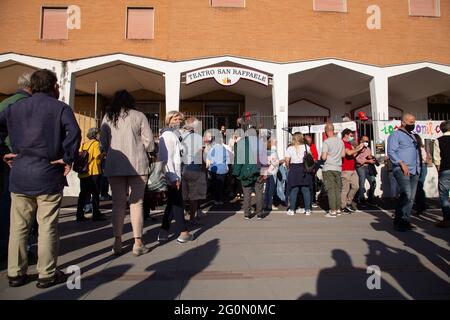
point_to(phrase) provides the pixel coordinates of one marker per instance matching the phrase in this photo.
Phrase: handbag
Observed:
(308, 161)
(81, 163)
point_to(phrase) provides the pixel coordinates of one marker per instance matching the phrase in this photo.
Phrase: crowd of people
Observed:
(41, 142)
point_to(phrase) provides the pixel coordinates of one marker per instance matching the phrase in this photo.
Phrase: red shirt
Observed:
(348, 162)
(314, 152)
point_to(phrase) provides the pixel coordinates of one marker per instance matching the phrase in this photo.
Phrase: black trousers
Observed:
(89, 186)
(174, 209)
(217, 184)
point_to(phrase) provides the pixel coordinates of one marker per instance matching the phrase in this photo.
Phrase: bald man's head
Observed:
(408, 122)
(329, 129)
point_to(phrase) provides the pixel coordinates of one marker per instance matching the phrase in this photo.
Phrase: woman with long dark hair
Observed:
(126, 138)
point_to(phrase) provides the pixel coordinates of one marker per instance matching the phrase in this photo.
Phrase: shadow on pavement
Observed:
(168, 285)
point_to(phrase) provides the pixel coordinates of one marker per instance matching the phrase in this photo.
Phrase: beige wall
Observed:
(283, 30)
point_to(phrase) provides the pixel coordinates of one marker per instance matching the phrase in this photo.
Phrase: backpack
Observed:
(308, 162)
(81, 163)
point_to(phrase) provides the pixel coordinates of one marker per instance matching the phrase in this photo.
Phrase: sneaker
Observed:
(185, 238)
(200, 213)
(87, 208)
(290, 212)
(163, 235)
(353, 207)
(218, 203)
(247, 217)
(330, 215)
(314, 205)
(338, 212)
(140, 250)
(301, 210)
(347, 210)
(307, 212)
(274, 208)
(259, 217)
(443, 224)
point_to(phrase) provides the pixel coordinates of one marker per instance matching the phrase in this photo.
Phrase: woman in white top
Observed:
(170, 154)
(298, 179)
(126, 138)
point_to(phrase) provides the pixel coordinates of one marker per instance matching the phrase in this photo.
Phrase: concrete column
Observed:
(67, 89)
(379, 96)
(280, 96)
(172, 80)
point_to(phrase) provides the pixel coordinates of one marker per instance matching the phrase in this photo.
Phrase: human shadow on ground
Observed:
(345, 281)
(416, 239)
(168, 278)
(88, 284)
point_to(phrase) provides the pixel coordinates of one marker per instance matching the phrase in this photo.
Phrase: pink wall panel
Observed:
(140, 23)
(330, 5)
(54, 23)
(423, 8)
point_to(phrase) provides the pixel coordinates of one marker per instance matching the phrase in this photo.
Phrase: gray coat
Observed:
(127, 144)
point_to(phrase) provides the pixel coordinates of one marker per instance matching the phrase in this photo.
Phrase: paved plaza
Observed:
(279, 257)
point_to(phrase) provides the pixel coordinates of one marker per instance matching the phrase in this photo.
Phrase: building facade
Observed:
(289, 61)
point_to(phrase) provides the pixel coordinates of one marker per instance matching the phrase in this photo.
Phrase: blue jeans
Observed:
(444, 188)
(363, 174)
(306, 192)
(421, 204)
(408, 187)
(271, 184)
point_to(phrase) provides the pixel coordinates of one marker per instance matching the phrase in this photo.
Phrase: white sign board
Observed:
(338, 127)
(227, 76)
(303, 129)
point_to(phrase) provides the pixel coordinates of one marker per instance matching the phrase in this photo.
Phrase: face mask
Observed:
(410, 127)
(350, 139)
(175, 126)
(366, 144)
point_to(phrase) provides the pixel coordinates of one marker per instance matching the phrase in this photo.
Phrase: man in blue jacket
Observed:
(45, 139)
(403, 150)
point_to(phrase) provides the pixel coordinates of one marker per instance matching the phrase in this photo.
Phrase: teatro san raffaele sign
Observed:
(227, 76)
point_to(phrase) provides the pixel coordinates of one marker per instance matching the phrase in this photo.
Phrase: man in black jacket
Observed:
(45, 139)
(442, 162)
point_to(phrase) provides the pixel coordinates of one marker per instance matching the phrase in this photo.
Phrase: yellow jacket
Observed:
(95, 158)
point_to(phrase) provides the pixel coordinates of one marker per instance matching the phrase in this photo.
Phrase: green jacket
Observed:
(19, 95)
(246, 169)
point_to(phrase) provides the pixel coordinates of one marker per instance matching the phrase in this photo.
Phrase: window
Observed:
(140, 23)
(330, 5)
(228, 3)
(426, 8)
(54, 24)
